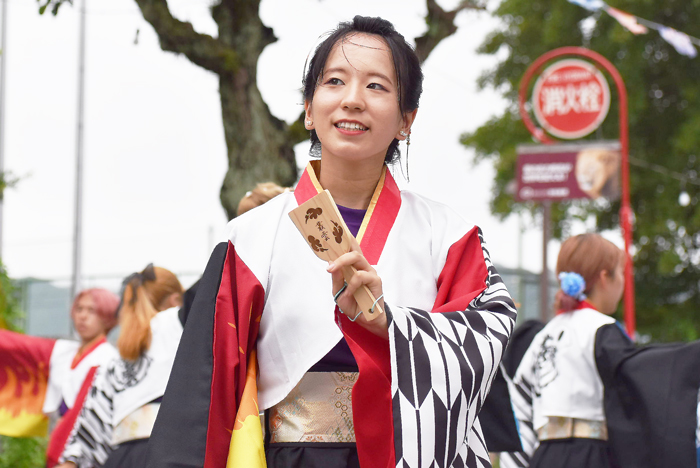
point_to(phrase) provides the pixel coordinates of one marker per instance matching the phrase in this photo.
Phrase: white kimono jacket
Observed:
(418, 395)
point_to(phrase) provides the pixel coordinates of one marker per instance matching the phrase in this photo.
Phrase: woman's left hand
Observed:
(366, 275)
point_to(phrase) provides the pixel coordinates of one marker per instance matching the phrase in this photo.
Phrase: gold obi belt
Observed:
(565, 428)
(319, 409)
(138, 425)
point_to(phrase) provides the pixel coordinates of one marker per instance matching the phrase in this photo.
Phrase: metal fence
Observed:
(524, 288)
(46, 302)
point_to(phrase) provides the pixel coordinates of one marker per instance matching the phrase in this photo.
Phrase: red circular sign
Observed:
(571, 99)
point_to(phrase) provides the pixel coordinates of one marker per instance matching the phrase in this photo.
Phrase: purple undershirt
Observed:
(340, 358)
(63, 408)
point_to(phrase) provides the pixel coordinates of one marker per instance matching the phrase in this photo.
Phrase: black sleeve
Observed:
(187, 301)
(650, 400)
(497, 417)
(519, 344)
(179, 436)
(498, 420)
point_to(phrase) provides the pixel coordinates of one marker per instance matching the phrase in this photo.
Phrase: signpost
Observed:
(571, 99)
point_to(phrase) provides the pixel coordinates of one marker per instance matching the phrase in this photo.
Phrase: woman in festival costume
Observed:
(585, 395)
(559, 366)
(116, 420)
(63, 368)
(338, 391)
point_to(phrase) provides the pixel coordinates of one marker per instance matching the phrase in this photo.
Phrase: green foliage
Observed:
(22, 453)
(7, 180)
(52, 5)
(664, 98)
(10, 314)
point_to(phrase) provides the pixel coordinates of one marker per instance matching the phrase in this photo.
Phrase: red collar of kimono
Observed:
(82, 355)
(381, 212)
(581, 305)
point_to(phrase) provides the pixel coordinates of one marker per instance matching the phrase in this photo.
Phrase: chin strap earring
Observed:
(407, 134)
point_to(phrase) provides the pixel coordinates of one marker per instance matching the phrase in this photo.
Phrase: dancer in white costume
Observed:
(403, 390)
(113, 428)
(63, 367)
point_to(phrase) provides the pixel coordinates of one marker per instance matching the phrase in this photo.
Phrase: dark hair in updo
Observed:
(409, 76)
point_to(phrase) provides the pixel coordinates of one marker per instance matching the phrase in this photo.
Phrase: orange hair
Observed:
(106, 305)
(587, 255)
(145, 294)
(261, 194)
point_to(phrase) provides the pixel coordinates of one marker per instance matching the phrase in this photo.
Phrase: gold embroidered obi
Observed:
(318, 409)
(565, 428)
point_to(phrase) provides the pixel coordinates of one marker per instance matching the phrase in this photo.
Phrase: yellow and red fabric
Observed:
(246, 447)
(24, 375)
(236, 325)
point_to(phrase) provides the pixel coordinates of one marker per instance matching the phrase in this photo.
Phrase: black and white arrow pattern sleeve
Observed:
(89, 444)
(442, 367)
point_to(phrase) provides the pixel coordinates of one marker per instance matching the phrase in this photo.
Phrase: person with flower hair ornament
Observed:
(585, 395)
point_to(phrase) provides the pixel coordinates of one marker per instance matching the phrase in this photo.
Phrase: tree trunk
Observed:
(259, 149)
(260, 146)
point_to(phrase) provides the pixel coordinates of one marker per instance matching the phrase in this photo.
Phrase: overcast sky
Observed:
(154, 147)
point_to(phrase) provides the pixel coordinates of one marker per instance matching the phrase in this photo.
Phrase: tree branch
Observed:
(441, 24)
(180, 37)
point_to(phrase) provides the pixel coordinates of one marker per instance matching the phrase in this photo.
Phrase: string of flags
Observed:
(683, 43)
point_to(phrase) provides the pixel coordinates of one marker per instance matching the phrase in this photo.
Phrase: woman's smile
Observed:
(351, 127)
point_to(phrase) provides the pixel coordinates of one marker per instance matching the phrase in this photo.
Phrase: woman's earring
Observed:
(408, 139)
(309, 123)
(403, 133)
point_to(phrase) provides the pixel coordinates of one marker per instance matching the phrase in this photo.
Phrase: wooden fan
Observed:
(323, 228)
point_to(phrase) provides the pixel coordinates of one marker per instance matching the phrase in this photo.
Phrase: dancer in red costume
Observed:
(49, 376)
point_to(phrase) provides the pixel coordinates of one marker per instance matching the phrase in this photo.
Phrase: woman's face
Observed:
(86, 320)
(355, 109)
(618, 283)
(615, 287)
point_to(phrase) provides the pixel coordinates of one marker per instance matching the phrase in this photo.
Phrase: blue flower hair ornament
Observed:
(572, 284)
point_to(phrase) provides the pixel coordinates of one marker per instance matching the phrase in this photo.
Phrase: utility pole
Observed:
(545, 313)
(78, 226)
(521, 271)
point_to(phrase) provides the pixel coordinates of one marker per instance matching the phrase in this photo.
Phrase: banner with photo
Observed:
(568, 171)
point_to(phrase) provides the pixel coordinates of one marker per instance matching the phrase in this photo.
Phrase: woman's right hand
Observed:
(365, 275)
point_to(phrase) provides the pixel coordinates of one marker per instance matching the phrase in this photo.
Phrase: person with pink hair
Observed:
(51, 377)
